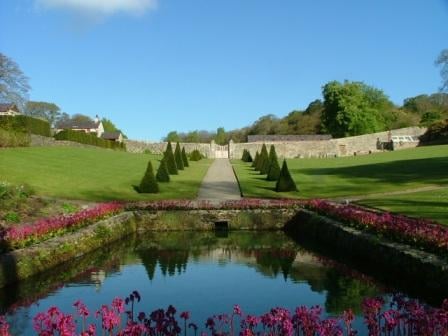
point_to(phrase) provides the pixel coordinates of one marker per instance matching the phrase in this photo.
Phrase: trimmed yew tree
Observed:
(178, 157)
(148, 183)
(264, 160)
(170, 161)
(274, 168)
(162, 173)
(285, 181)
(185, 158)
(256, 159)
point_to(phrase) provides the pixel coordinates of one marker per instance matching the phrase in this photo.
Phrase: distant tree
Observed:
(353, 108)
(109, 126)
(274, 168)
(178, 157)
(172, 137)
(162, 172)
(192, 137)
(43, 110)
(149, 183)
(185, 158)
(170, 160)
(220, 137)
(14, 85)
(81, 118)
(442, 61)
(285, 181)
(263, 161)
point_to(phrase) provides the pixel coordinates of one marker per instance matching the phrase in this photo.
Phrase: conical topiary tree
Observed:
(256, 159)
(264, 160)
(185, 158)
(246, 156)
(178, 157)
(285, 181)
(149, 183)
(162, 173)
(274, 168)
(170, 161)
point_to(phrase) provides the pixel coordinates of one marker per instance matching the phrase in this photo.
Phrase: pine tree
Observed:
(170, 161)
(178, 157)
(264, 160)
(185, 158)
(149, 183)
(274, 168)
(255, 161)
(285, 181)
(162, 173)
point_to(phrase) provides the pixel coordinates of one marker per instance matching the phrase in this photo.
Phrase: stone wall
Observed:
(357, 145)
(41, 141)
(134, 146)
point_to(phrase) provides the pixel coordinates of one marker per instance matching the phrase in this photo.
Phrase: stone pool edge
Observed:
(428, 268)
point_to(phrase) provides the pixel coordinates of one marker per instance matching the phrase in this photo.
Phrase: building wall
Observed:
(134, 146)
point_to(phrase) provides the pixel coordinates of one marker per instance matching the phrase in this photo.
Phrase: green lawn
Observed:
(357, 175)
(92, 174)
(428, 204)
(363, 175)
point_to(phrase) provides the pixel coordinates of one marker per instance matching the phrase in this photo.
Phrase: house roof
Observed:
(111, 135)
(303, 137)
(78, 125)
(8, 106)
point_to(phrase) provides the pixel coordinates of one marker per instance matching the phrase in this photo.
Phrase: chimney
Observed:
(97, 119)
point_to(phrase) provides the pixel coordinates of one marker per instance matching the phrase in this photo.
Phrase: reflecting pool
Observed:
(204, 273)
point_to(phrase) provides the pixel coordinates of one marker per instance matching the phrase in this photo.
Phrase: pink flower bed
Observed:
(401, 317)
(23, 235)
(418, 232)
(243, 204)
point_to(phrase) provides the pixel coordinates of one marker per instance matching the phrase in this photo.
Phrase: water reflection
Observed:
(201, 270)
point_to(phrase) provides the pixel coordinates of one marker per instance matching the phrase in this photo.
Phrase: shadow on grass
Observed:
(430, 170)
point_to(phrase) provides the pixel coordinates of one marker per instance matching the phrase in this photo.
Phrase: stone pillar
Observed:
(212, 149)
(231, 148)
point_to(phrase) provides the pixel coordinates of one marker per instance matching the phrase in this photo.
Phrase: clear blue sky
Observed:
(158, 65)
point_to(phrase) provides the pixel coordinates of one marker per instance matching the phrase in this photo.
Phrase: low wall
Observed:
(388, 260)
(134, 146)
(356, 145)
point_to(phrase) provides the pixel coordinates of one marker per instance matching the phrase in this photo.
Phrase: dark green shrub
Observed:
(185, 158)
(170, 160)
(11, 138)
(264, 160)
(285, 181)
(148, 183)
(436, 133)
(162, 173)
(195, 155)
(256, 159)
(274, 168)
(88, 139)
(23, 123)
(178, 157)
(246, 156)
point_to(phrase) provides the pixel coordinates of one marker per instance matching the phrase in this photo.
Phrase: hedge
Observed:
(10, 138)
(23, 123)
(88, 139)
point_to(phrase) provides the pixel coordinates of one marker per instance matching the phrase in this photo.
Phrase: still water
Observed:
(204, 273)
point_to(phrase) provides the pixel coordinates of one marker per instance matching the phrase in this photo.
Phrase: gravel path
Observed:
(220, 182)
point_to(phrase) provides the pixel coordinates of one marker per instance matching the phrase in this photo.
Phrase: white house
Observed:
(95, 126)
(9, 110)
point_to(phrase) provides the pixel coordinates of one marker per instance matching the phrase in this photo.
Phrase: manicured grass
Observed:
(350, 176)
(92, 174)
(428, 204)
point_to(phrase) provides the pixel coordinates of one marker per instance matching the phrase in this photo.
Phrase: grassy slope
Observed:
(92, 174)
(428, 204)
(363, 175)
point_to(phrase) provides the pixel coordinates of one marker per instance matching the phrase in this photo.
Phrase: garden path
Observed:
(220, 182)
